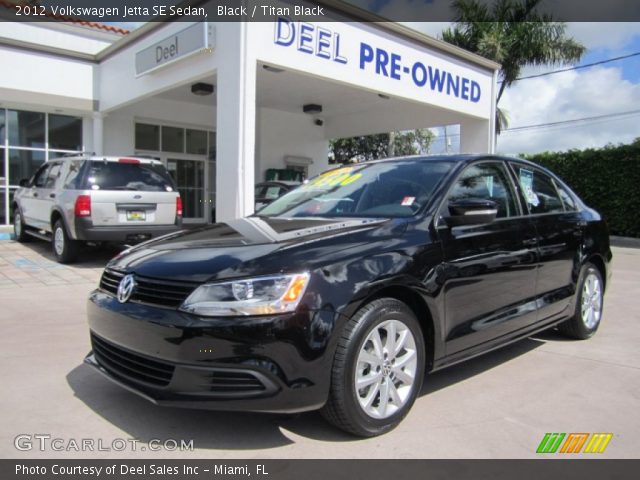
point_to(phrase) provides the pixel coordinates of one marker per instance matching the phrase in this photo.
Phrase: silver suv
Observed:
(96, 199)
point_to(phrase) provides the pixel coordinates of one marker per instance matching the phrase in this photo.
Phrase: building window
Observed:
(32, 138)
(212, 146)
(147, 137)
(26, 129)
(173, 139)
(23, 164)
(197, 142)
(2, 172)
(65, 132)
(3, 129)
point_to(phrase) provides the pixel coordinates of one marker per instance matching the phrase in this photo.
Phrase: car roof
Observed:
(450, 157)
(288, 183)
(113, 159)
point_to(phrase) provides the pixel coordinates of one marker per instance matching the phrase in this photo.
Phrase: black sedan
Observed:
(341, 294)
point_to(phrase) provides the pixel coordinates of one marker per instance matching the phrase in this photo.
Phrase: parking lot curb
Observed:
(627, 242)
(6, 233)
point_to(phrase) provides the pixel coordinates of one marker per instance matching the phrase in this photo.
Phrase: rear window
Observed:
(127, 176)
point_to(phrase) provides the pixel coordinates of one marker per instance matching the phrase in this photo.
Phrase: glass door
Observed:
(189, 177)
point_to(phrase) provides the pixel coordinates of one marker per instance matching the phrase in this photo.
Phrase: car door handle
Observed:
(530, 242)
(52, 195)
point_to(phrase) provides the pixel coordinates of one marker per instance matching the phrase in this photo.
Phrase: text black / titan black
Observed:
(342, 293)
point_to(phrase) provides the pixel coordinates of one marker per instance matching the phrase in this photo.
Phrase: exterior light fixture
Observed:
(271, 69)
(312, 108)
(202, 89)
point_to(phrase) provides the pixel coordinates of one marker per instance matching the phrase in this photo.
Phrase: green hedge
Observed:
(607, 179)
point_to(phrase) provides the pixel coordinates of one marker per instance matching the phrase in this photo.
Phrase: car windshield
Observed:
(128, 176)
(385, 189)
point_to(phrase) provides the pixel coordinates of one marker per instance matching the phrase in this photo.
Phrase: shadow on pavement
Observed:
(457, 373)
(88, 257)
(240, 430)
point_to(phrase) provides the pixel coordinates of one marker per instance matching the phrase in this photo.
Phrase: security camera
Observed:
(318, 122)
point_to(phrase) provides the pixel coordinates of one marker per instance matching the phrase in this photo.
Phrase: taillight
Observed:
(83, 206)
(178, 206)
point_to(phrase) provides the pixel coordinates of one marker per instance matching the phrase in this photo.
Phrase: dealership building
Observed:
(228, 104)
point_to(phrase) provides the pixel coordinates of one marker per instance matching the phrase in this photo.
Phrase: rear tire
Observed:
(64, 248)
(19, 227)
(589, 305)
(389, 372)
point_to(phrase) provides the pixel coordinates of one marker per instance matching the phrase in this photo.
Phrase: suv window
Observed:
(127, 176)
(40, 177)
(539, 191)
(486, 181)
(52, 175)
(74, 169)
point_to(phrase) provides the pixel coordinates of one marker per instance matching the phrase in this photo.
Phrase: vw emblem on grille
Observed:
(126, 287)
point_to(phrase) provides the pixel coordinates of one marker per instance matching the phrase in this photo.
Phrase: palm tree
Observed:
(513, 34)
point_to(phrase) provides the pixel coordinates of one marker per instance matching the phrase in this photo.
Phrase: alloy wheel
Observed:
(591, 301)
(386, 369)
(58, 241)
(17, 224)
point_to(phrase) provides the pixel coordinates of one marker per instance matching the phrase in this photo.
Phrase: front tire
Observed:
(378, 369)
(586, 319)
(64, 248)
(19, 227)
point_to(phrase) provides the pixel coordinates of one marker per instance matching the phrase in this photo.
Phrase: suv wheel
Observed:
(19, 227)
(64, 248)
(588, 312)
(378, 369)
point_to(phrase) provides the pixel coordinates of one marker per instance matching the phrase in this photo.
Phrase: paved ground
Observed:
(496, 406)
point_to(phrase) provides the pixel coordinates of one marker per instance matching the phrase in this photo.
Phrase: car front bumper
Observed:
(268, 364)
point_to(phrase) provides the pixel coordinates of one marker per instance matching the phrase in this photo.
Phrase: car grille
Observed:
(124, 364)
(153, 291)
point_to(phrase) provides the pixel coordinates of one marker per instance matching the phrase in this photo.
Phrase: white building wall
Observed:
(283, 134)
(119, 70)
(59, 36)
(51, 81)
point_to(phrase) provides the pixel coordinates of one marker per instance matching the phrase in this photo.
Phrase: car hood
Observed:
(251, 246)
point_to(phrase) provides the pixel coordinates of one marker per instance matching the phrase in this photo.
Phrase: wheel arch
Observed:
(597, 260)
(421, 310)
(56, 214)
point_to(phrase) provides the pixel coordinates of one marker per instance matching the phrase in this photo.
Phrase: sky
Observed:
(601, 90)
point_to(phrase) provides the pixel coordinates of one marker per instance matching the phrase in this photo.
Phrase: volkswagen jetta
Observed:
(342, 293)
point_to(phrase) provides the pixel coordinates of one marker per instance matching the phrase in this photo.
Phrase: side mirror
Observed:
(24, 182)
(471, 211)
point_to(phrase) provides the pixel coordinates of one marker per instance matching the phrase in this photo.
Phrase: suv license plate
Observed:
(133, 215)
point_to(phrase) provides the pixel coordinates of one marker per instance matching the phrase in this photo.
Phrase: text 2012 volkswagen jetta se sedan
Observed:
(343, 292)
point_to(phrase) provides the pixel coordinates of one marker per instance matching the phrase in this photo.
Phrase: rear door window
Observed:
(539, 191)
(128, 176)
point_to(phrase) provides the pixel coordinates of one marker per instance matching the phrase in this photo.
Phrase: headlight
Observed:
(253, 296)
